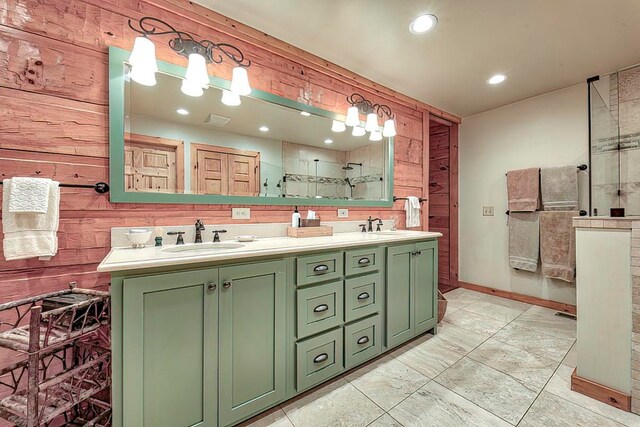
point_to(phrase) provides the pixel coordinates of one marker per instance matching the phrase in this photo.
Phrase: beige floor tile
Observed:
(475, 322)
(495, 311)
(337, 404)
(550, 410)
(434, 405)
(544, 320)
(387, 381)
(272, 418)
(571, 359)
(498, 393)
(385, 421)
(534, 341)
(530, 369)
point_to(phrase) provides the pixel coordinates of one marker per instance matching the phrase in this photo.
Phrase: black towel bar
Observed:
(99, 187)
(395, 199)
(582, 212)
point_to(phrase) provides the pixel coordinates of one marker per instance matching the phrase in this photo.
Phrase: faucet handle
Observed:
(379, 225)
(364, 227)
(180, 240)
(216, 236)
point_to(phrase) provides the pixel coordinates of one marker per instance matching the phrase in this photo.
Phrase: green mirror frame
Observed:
(117, 57)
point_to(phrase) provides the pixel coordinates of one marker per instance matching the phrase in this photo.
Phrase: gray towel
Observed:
(558, 245)
(559, 188)
(524, 240)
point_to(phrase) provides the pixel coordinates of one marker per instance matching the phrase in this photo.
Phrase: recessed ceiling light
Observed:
(263, 129)
(497, 79)
(182, 111)
(305, 113)
(328, 141)
(423, 23)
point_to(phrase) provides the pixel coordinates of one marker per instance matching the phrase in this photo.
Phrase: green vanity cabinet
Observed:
(411, 291)
(170, 351)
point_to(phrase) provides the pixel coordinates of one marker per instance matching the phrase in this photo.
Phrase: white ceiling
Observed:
(542, 45)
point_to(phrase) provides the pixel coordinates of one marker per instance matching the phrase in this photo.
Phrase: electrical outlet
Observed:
(487, 211)
(343, 213)
(240, 213)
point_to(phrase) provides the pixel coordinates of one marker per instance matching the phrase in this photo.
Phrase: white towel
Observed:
(412, 208)
(30, 235)
(29, 195)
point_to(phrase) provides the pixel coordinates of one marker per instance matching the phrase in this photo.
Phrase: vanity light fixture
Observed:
(230, 99)
(263, 129)
(423, 23)
(497, 79)
(358, 131)
(144, 65)
(305, 113)
(375, 135)
(338, 126)
(328, 141)
(182, 111)
(361, 105)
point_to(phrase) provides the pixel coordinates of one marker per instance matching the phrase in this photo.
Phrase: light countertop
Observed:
(121, 259)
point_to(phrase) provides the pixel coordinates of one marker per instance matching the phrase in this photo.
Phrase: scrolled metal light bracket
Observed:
(365, 106)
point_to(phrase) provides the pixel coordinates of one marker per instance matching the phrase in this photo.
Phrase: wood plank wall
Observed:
(54, 120)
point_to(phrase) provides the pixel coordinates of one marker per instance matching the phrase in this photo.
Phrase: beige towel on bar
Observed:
(523, 190)
(412, 209)
(558, 244)
(559, 185)
(524, 240)
(28, 234)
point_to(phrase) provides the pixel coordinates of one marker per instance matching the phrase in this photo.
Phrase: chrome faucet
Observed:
(370, 221)
(199, 228)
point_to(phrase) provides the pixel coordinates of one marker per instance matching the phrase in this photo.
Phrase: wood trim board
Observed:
(600, 392)
(454, 191)
(554, 305)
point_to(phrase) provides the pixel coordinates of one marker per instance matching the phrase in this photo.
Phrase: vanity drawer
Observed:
(363, 260)
(319, 268)
(319, 308)
(362, 341)
(318, 359)
(362, 296)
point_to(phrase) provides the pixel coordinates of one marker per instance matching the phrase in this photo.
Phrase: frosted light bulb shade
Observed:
(240, 82)
(389, 128)
(197, 70)
(229, 98)
(143, 77)
(144, 55)
(353, 116)
(372, 122)
(358, 131)
(375, 136)
(191, 89)
(338, 126)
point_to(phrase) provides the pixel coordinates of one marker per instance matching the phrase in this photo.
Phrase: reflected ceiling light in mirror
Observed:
(375, 135)
(191, 89)
(338, 126)
(361, 105)
(358, 131)
(353, 116)
(497, 79)
(423, 23)
(199, 53)
(305, 113)
(230, 99)
(182, 111)
(263, 129)
(328, 141)
(143, 62)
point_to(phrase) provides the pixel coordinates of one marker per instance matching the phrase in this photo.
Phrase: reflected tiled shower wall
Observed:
(615, 114)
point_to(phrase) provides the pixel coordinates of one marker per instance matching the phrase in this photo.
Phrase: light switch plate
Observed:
(240, 213)
(487, 211)
(343, 213)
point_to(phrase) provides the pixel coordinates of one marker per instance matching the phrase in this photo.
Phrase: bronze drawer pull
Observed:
(364, 261)
(212, 287)
(363, 296)
(226, 284)
(363, 340)
(321, 308)
(320, 358)
(321, 269)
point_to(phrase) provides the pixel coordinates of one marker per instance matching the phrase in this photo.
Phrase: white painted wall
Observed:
(548, 130)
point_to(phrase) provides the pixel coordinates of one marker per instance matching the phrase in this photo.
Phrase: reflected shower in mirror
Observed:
(200, 145)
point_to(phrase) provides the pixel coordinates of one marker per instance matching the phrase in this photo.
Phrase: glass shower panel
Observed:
(605, 155)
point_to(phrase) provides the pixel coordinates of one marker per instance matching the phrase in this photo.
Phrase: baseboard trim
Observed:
(599, 392)
(554, 305)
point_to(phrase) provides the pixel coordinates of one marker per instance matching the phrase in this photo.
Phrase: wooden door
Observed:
(224, 171)
(170, 350)
(153, 164)
(252, 339)
(400, 310)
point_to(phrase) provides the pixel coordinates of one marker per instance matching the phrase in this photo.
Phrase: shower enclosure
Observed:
(614, 131)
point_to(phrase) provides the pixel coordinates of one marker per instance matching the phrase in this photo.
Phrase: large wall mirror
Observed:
(167, 147)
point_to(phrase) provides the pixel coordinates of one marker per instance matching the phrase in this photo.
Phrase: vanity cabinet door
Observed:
(169, 354)
(425, 276)
(252, 339)
(399, 294)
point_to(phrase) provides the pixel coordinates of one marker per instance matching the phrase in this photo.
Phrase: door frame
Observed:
(157, 141)
(193, 165)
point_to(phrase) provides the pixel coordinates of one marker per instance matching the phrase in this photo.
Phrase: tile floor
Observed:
(495, 362)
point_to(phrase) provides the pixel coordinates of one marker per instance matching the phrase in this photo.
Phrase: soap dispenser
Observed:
(295, 218)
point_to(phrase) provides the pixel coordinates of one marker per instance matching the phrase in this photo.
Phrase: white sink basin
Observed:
(219, 246)
(388, 232)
